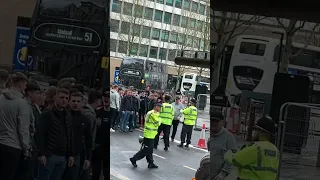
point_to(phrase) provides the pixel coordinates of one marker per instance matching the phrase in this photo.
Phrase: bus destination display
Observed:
(67, 35)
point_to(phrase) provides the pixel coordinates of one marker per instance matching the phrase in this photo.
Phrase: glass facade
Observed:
(138, 29)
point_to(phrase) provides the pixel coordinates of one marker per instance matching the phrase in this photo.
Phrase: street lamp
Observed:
(280, 49)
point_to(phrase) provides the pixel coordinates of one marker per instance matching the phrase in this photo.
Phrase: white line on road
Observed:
(190, 168)
(129, 152)
(177, 141)
(159, 156)
(117, 175)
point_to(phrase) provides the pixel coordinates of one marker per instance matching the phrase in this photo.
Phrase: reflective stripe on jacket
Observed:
(151, 125)
(258, 161)
(190, 115)
(166, 114)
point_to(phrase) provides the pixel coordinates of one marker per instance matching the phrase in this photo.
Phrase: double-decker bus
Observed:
(189, 81)
(140, 73)
(254, 64)
(69, 38)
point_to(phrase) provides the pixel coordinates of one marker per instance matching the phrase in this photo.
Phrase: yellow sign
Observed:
(105, 63)
(142, 81)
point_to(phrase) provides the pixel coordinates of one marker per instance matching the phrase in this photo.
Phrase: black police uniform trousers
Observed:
(166, 133)
(145, 151)
(186, 131)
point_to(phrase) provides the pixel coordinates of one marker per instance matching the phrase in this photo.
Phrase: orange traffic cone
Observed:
(202, 140)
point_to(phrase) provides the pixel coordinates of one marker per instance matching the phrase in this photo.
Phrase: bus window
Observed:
(252, 48)
(188, 76)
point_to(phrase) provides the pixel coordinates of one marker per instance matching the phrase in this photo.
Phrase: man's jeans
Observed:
(54, 168)
(72, 173)
(125, 120)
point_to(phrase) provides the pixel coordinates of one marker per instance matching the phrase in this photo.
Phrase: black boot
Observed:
(152, 166)
(155, 147)
(172, 139)
(180, 145)
(187, 146)
(133, 162)
(166, 148)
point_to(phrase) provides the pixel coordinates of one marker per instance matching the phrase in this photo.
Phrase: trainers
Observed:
(152, 166)
(155, 147)
(187, 146)
(172, 139)
(166, 148)
(133, 162)
(112, 130)
(180, 145)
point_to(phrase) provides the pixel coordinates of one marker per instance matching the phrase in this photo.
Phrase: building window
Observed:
(178, 3)
(153, 52)
(192, 23)
(123, 47)
(134, 49)
(127, 9)
(173, 37)
(182, 39)
(143, 51)
(148, 13)
(160, 1)
(194, 7)
(114, 25)
(199, 25)
(167, 18)
(186, 4)
(138, 10)
(196, 42)
(163, 54)
(116, 6)
(136, 30)
(113, 45)
(146, 32)
(158, 16)
(176, 20)
(169, 2)
(125, 27)
(155, 34)
(184, 21)
(164, 36)
(189, 41)
(172, 54)
(202, 9)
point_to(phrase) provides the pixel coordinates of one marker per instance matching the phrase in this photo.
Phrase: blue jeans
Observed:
(125, 120)
(54, 168)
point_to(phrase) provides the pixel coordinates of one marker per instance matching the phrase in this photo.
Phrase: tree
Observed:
(227, 26)
(291, 28)
(132, 23)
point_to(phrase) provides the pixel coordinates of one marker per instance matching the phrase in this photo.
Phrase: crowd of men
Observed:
(57, 133)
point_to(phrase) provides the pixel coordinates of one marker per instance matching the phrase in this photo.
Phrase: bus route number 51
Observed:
(88, 37)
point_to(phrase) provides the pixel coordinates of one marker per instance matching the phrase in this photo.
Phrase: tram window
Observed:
(252, 48)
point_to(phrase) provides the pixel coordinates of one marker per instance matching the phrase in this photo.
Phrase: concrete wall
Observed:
(9, 11)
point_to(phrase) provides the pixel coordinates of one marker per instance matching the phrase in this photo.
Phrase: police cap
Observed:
(266, 124)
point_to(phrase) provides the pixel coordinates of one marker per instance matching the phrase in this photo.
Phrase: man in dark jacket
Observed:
(55, 138)
(127, 107)
(143, 108)
(28, 169)
(82, 137)
(4, 76)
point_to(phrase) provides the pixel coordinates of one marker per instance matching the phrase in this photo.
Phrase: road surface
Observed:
(177, 163)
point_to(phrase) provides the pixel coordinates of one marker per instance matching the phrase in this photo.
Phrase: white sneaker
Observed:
(112, 130)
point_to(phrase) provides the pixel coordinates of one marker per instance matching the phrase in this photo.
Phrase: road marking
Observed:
(129, 152)
(190, 168)
(117, 175)
(178, 142)
(159, 156)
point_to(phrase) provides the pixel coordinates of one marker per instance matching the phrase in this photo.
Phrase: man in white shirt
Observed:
(177, 105)
(114, 106)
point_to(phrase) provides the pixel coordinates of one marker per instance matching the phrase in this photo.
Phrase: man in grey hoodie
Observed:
(220, 141)
(15, 115)
(4, 76)
(114, 106)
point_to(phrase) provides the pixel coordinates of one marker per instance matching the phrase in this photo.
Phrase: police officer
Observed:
(190, 116)
(165, 117)
(259, 160)
(151, 125)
